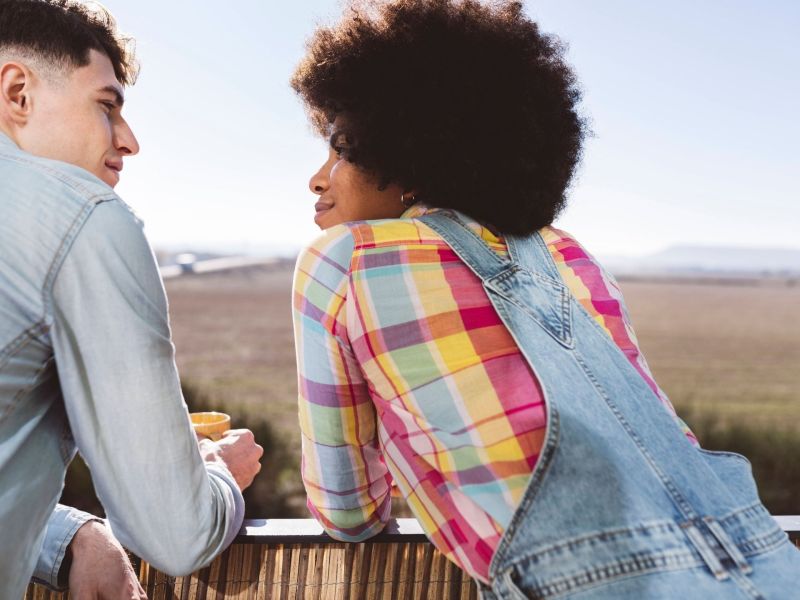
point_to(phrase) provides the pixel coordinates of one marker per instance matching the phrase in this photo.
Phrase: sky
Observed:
(693, 108)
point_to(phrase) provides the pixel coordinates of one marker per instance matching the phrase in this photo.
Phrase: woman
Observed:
(452, 342)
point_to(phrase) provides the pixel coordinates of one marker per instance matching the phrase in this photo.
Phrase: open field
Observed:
(233, 335)
(727, 353)
(728, 349)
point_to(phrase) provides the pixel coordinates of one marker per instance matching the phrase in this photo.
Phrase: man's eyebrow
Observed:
(118, 97)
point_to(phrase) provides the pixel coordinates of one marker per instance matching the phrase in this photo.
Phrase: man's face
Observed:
(77, 118)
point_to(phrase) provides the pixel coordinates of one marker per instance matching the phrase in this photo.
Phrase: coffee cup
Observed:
(210, 424)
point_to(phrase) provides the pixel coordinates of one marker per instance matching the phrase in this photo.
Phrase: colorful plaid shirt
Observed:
(408, 376)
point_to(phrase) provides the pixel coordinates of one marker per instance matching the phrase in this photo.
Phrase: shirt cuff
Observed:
(61, 528)
(235, 516)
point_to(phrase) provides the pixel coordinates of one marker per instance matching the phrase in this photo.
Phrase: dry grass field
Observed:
(727, 349)
(233, 335)
(731, 351)
(727, 354)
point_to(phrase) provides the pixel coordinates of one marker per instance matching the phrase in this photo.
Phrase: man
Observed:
(85, 349)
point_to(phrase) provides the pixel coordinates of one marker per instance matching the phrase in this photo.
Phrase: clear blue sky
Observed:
(694, 106)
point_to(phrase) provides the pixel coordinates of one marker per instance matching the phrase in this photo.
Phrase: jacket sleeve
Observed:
(61, 528)
(115, 360)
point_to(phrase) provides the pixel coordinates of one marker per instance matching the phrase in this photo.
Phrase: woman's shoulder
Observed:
(324, 263)
(335, 247)
(566, 247)
(356, 236)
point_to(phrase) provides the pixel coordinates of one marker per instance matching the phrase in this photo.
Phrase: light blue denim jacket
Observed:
(86, 358)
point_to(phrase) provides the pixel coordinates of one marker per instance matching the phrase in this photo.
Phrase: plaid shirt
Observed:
(407, 375)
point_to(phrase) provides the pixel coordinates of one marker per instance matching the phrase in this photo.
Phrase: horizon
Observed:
(692, 109)
(677, 260)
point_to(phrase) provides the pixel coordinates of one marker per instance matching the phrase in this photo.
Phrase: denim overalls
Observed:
(621, 505)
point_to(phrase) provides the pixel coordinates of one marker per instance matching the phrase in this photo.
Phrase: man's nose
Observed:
(126, 142)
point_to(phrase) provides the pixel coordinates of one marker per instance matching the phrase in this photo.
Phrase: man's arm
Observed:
(116, 367)
(81, 553)
(99, 567)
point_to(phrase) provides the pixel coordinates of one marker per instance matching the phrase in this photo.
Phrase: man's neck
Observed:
(6, 138)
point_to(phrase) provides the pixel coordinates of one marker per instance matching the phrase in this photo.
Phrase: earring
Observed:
(407, 202)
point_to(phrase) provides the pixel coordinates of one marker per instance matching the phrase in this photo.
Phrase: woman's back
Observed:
(408, 329)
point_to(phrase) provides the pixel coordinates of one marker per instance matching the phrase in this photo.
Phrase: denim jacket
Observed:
(86, 359)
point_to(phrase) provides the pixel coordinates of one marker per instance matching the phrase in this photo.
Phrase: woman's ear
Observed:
(408, 198)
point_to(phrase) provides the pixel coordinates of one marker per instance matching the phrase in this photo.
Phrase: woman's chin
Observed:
(325, 220)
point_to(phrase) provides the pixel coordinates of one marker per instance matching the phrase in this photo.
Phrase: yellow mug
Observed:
(210, 424)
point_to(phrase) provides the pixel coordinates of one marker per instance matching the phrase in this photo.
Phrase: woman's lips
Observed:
(321, 208)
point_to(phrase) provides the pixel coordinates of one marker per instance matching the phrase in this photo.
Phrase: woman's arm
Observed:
(345, 477)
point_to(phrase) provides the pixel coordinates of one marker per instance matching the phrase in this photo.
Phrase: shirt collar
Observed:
(417, 210)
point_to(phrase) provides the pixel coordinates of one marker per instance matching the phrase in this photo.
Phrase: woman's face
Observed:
(347, 193)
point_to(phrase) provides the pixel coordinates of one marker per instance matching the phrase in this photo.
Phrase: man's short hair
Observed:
(61, 34)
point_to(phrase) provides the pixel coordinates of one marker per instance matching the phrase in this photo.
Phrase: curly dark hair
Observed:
(468, 104)
(63, 32)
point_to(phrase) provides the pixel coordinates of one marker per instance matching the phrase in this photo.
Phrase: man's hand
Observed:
(100, 568)
(238, 451)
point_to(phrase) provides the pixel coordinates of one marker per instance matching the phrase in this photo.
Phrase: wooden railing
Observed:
(292, 559)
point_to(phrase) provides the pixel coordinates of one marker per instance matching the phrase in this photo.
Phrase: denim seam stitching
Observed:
(60, 255)
(620, 569)
(22, 340)
(453, 217)
(751, 510)
(22, 392)
(763, 544)
(564, 336)
(674, 493)
(531, 492)
(433, 223)
(604, 536)
(752, 546)
(745, 585)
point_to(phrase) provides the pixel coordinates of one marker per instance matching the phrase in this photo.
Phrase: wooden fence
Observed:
(292, 559)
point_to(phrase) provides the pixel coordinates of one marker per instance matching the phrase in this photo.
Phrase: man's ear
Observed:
(15, 85)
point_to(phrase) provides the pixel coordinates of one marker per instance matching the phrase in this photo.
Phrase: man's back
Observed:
(85, 350)
(86, 357)
(43, 206)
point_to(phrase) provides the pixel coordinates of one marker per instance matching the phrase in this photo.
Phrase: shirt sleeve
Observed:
(61, 528)
(115, 360)
(345, 477)
(640, 362)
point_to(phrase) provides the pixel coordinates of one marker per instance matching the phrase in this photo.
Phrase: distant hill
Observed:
(710, 260)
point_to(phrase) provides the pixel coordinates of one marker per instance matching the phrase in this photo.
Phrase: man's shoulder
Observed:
(34, 177)
(49, 200)
(46, 206)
